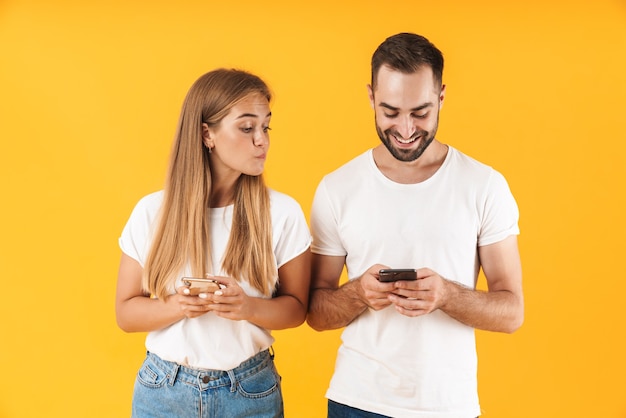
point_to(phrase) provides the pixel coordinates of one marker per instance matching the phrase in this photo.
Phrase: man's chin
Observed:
(410, 154)
(404, 155)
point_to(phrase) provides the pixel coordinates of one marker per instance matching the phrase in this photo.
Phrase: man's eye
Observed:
(391, 116)
(420, 116)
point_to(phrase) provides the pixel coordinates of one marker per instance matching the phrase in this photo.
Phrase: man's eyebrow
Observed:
(252, 115)
(415, 109)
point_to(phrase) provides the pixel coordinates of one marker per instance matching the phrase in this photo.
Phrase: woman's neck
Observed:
(222, 194)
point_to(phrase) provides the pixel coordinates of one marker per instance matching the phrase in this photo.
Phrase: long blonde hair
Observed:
(182, 235)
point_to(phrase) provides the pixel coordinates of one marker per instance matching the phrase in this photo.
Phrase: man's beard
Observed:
(407, 155)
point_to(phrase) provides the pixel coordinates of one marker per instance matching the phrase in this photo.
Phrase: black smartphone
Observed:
(199, 285)
(392, 275)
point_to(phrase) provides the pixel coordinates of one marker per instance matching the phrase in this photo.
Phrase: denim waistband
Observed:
(207, 378)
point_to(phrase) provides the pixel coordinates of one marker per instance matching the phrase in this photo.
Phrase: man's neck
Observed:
(411, 172)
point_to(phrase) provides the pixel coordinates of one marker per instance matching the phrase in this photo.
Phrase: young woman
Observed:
(209, 353)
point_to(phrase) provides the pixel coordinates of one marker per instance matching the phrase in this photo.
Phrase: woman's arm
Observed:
(134, 309)
(287, 309)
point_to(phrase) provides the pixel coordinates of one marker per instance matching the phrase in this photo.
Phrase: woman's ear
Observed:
(206, 136)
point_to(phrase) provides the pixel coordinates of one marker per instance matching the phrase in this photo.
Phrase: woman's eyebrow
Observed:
(252, 115)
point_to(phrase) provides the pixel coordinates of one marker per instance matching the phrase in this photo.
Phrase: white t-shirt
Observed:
(208, 341)
(389, 363)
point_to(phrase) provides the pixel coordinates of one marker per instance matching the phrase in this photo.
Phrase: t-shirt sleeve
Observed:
(500, 214)
(324, 225)
(291, 230)
(135, 238)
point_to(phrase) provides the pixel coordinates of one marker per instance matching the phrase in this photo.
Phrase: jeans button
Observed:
(206, 379)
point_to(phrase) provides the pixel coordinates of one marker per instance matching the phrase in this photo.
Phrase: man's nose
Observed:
(406, 127)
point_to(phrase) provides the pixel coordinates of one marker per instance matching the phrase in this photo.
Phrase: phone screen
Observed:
(392, 275)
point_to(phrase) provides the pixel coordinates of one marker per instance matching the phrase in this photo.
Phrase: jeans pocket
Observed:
(261, 384)
(151, 375)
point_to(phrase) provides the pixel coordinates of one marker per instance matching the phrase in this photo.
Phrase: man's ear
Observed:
(206, 136)
(370, 94)
(442, 95)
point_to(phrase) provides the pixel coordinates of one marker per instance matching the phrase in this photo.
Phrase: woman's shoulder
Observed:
(152, 199)
(282, 199)
(149, 204)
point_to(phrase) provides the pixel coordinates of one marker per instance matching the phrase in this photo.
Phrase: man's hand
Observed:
(421, 296)
(373, 293)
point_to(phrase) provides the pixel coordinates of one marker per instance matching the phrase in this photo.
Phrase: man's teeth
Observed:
(405, 141)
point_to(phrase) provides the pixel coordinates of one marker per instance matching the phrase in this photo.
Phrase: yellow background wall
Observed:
(89, 97)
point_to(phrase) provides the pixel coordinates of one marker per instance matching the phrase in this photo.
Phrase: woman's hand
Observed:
(191, 306)
(231, 301)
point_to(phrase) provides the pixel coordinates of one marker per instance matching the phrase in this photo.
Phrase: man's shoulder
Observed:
(462, 158)
(474, 174)
(470, 165)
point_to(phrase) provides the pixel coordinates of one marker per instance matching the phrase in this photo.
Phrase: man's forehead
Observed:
(388, 78)
(405, 92)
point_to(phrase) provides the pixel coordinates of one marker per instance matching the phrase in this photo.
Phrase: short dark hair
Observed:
(407, 53)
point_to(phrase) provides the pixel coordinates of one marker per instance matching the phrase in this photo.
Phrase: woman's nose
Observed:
(260, 138)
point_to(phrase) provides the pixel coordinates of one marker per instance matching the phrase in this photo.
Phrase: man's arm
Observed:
(332, 306)
(500, 308)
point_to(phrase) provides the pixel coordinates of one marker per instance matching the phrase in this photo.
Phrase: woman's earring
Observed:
(210, 149)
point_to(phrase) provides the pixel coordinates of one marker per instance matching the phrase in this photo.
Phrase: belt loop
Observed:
(233, 380)
(173, 374)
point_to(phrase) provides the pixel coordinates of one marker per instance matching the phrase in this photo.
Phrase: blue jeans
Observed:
(338, 410)
(166, 389)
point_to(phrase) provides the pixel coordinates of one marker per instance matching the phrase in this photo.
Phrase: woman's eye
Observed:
(246, 130)
(266, 129)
